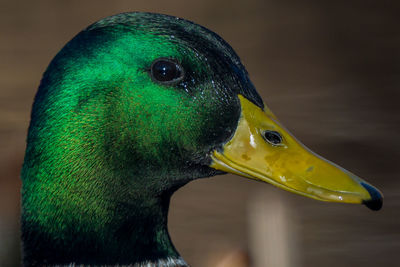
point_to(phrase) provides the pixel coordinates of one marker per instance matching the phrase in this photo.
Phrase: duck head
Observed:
(134, 107)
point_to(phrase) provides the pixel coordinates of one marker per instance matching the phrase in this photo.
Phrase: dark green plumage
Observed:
(107, 145)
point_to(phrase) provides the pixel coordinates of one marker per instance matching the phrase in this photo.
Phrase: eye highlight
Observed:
(166, 71)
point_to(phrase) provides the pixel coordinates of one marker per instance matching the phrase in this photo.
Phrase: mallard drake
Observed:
(131, 109)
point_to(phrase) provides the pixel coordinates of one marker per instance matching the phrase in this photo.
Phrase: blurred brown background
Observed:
(330, 70)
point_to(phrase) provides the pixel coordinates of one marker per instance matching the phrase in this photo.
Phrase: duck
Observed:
(134, 107)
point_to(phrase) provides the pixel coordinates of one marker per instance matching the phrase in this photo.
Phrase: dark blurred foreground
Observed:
(331, 73)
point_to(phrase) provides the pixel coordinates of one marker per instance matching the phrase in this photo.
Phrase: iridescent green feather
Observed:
(107, 145)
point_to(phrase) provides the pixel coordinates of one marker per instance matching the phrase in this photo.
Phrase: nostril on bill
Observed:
(272, 137)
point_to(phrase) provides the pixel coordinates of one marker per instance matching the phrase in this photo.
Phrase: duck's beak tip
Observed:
(376, 201)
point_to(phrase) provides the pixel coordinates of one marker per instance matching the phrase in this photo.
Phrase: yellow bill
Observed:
(262, 149)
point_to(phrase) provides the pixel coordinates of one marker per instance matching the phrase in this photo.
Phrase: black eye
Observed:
(272, 137)
(166, 71)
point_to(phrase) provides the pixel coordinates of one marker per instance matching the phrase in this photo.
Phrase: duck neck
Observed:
(133, 232)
